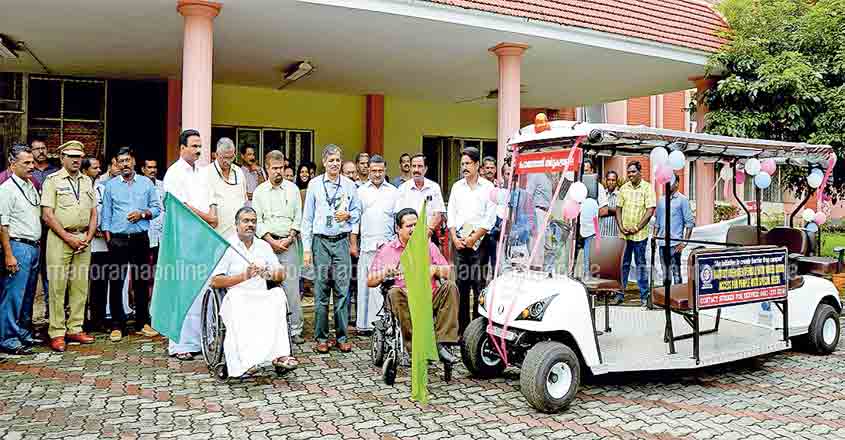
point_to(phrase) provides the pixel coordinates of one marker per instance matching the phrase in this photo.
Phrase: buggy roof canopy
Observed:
(626, 140)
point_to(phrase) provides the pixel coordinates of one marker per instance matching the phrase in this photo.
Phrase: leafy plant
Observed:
(782, 77)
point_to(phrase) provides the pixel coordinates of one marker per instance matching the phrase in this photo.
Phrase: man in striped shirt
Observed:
(607, 223)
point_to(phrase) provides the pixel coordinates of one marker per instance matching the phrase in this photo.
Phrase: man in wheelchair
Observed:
(255, 316)
(444, 298)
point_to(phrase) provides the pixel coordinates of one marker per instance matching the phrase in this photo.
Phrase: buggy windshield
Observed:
(534, 233)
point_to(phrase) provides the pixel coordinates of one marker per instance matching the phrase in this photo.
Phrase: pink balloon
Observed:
(570, 209)
(768, 166)
(821, 218)
(740, 177)
(663, 174)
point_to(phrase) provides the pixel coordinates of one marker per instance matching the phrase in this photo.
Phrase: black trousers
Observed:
(97, 291)
(470, 279)
(129, 254)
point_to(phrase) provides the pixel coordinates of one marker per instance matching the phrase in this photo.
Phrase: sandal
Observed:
(184, 356)
(288, 362)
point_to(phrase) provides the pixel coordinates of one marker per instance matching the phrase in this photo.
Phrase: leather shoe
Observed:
(445, 355)
(81, 337)
(345, 347)
(32, 341)
(58, 343)
(321, 348)
(20, 350)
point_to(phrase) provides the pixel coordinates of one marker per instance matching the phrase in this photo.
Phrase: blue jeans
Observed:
(588, 241)
(18, 296)
(637, 248)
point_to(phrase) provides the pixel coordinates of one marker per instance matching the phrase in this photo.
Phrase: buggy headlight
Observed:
(535, 311)
(482, 296)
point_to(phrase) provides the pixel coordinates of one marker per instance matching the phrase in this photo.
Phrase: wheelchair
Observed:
(386, 347)
(213, 333)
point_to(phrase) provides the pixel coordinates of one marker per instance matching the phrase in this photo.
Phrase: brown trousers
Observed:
(445, 306)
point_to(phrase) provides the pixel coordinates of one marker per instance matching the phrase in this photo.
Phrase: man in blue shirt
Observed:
(332, 210)
(130, 201)
(681, 222)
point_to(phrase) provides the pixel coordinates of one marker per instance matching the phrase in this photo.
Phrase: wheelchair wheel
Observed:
(388, 369)
(377, 344)
(213, 331)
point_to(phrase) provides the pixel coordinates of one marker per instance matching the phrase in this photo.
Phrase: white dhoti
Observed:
(256, 327)
(369, 299)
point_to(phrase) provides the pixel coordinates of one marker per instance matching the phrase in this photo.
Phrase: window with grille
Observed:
(64, 109)
(296, 144)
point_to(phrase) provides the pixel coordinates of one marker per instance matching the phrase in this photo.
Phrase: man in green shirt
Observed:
(278, 207)
(634, 208)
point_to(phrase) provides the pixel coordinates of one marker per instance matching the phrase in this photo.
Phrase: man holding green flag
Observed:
(422, 265)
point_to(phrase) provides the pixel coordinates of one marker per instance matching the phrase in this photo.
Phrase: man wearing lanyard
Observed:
(129, 203)
(227, 186)
(278, 208)
(21, 231)
(69, 210)
(332, 210)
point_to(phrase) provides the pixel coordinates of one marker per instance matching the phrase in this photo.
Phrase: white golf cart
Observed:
(539, 315)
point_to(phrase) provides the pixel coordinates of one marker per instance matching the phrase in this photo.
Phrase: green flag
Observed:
(188, 251)
(416, 269)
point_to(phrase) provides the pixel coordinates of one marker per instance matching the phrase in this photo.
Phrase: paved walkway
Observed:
(133, 390)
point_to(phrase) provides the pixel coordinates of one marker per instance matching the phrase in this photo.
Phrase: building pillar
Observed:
(705, 173)
(197, 67)
(510, 66)
(174, 120)
(375, 125)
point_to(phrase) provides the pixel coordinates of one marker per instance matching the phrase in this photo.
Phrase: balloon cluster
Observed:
(762, 171)
(665, 163)
(813, 219)
(814, 179)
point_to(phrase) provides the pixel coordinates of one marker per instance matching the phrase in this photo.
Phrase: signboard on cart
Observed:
(547, 162)
(729, 278)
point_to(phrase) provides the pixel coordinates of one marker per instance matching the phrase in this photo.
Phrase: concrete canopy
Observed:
(412, 49)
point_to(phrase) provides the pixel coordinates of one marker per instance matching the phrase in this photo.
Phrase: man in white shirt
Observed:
(255, 317)
(377, 201)
(227, 186)
(470, 216)
(185, 179)
(413, 192)
(587, 227)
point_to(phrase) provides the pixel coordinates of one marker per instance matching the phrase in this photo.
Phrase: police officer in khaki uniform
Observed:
(69, 210)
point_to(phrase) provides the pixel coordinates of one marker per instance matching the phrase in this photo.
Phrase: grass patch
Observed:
(831, 240)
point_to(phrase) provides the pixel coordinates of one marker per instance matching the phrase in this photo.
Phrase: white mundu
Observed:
(187, 184)
(255, 318)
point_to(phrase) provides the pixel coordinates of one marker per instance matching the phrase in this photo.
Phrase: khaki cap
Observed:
(72, 148)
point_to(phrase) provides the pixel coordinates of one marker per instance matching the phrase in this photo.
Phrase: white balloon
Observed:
(659, 156)
(577, 192)
(815, 180)
(589, 209)
(762, 180)
(677, 160)
(818, 171)
(569, 175)
(752, 167)
(808, 215)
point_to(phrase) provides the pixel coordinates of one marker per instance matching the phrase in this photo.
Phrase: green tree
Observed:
(782, 77)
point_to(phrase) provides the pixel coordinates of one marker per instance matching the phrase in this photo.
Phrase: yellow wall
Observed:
(406, 121)
(335, 119)
(340, 119)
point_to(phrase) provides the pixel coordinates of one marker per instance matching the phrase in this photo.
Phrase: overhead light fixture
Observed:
(7, 48)
(296, 71)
